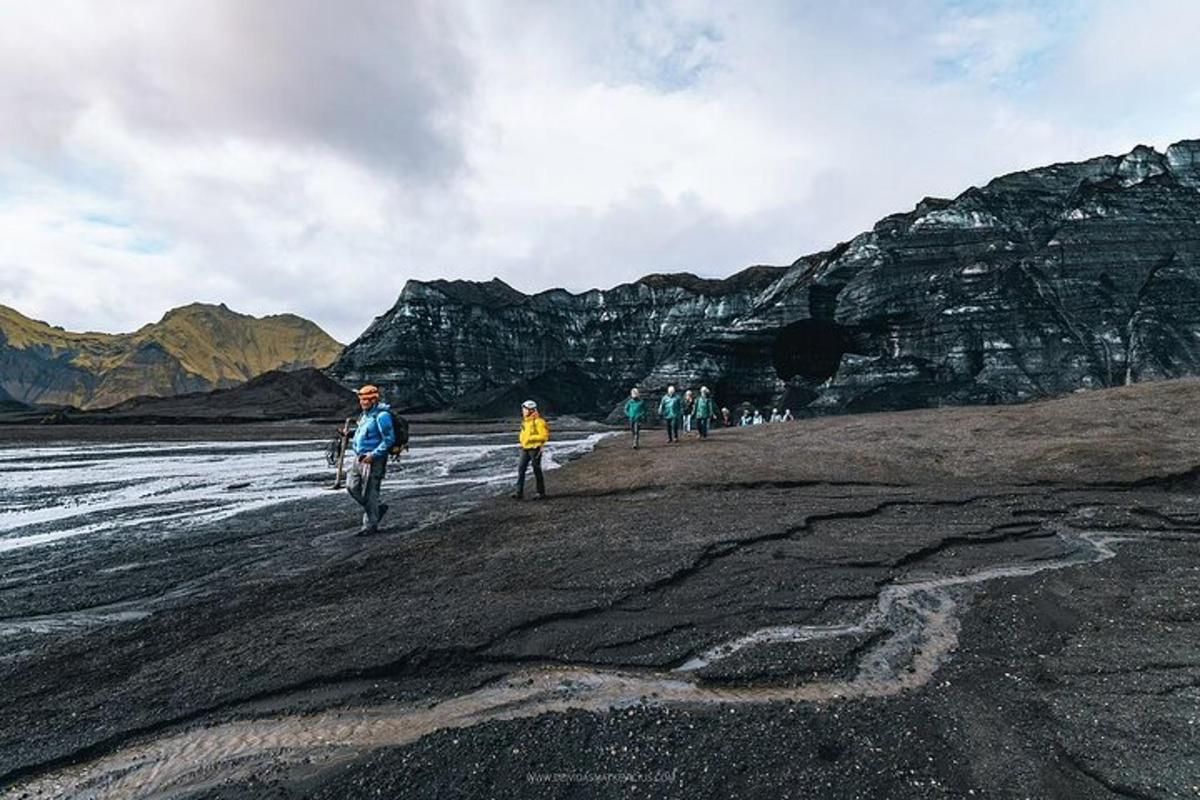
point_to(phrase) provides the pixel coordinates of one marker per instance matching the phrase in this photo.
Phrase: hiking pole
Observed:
(341, 456)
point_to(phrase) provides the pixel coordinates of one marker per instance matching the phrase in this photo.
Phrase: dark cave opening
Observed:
(811, 349)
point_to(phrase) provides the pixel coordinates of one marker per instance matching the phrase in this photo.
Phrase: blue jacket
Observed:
(374, 434)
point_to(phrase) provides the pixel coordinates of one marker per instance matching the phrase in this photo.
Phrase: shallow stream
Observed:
(916, 622)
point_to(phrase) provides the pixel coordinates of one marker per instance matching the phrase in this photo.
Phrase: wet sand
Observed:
(997, 601)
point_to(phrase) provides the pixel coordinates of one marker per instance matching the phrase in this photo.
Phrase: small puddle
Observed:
(919, 618)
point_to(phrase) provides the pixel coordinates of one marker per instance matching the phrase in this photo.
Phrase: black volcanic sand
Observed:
(1076, 681)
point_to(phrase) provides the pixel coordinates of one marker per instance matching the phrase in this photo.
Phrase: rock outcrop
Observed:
(471, 345)
(192, 349)
(1042, 282)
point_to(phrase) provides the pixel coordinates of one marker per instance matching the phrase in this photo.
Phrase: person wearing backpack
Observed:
(374, 439)
(705, 411)
(534, 434)
(671, 409)
(635, 412)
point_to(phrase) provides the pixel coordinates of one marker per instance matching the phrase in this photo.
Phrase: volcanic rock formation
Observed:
(1042, 282)
(194, 348)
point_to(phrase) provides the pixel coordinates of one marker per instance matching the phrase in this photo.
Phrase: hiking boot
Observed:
(540, 496)
(517, 496)
(367, 532)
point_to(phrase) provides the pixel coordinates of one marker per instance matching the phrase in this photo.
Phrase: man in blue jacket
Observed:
(373, 438)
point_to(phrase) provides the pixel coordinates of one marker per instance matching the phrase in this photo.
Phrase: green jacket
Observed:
(635, 409)
(704, 407)
(670, 407)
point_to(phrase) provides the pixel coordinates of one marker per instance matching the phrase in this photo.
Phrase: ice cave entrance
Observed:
(810, 348)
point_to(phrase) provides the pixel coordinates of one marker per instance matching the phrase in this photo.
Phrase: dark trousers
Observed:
(635, 428)
(365, 489)
(702, 426)
(673, 429)
(528, 457)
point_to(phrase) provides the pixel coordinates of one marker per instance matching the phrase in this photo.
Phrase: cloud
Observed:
(311, 157)
(379, 82)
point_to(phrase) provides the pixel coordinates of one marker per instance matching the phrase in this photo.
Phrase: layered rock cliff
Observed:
(456, 343)
(194, 348)
(1042, 282)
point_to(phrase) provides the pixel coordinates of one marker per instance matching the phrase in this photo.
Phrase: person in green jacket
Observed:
(706, 410)
(671, 410)
(635, 412)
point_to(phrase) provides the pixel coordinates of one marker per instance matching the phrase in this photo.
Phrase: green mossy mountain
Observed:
(194, 348)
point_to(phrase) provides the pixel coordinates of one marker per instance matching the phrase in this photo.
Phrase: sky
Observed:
(311, 157)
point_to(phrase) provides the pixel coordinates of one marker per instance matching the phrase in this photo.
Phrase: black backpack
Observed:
(400, 426)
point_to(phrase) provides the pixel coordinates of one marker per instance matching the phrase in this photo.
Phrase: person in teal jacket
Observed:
(670, 408)
(706, 410)
(635, 412)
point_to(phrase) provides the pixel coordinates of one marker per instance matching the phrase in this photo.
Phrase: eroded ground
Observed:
(1002, 602)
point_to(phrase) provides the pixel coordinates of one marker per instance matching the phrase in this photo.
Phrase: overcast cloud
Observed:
(305, 156)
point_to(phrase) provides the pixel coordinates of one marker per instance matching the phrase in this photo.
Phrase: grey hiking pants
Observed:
(363, 486)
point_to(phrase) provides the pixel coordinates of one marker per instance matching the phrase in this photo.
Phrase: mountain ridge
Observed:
(1037, 283)
(195, 347)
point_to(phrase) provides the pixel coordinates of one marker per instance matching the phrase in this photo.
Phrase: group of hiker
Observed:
(693, 413)
(752, 416)
(380, 434)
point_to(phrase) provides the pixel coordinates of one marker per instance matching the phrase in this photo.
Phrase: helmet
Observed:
(531, 405)
(369, 391)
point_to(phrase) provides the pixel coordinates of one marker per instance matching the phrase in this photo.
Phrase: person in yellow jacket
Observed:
(534, 434)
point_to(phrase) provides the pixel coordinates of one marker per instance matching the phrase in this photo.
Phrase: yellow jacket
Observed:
(534, 432)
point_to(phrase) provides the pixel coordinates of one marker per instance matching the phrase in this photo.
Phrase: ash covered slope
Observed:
(275, 395)
(1041, 282)
(194, 348)
(7, 403)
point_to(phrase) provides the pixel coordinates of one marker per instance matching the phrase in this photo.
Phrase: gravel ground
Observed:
(1073, 670)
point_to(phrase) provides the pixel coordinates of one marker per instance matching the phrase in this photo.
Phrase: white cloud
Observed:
(311, 157)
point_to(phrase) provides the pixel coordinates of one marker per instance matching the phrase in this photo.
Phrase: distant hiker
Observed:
(670, 409)
(787, 415)
(726, 418)
(704, 411)
(746, 419)
(534, 434)
(758, 417)
(635, 412)
(776, 416)
(689, 411)
(374, 436)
